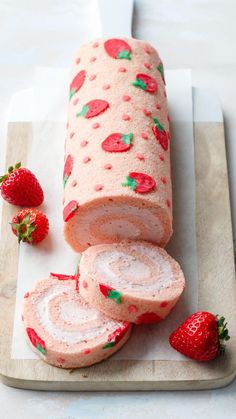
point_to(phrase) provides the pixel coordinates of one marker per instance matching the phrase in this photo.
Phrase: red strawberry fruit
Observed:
(148, 318)
(116, 336)
(77, 83)
(145, 82)
(140, 182)
(110, 292)
(67, 169)
(201, 336)
(117, 48)
(161, 135)
(93, 108)
(20, 187)
(117, 142)
(69, 210)
(30, 225)
(62, 277)
(36, 341)
(160, 68)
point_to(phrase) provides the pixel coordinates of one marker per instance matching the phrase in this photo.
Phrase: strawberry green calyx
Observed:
(109, 345)
(158, 124)
(40, 349)
(72, 92)
(124, 54)
(24, 229)
(115, 295)
(84, 111)
(127, 138)
(222, 332)
(10, 170)
(140, 83)
(160, 68)
(130, 182)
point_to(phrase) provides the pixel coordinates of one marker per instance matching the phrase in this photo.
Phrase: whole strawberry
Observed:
(30, 225)
(20, 187)
(201, 336)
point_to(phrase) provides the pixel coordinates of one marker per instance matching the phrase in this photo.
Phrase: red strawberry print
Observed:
(116, 336)
(117, 142)
(69, 210)
(67, 169)
(110, 292)
(93, 108)
(161, 135)
(117, 48)
(148, 318)
(201, 336)
(160, 68)
(140, 182)
(145, 82)
(77, 83)
(36, 341)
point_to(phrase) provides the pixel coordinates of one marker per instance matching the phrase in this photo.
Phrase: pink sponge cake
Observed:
(131, 281)
(64, 330)
(117, 154)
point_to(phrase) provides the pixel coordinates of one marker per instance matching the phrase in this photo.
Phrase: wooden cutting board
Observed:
(216, 282)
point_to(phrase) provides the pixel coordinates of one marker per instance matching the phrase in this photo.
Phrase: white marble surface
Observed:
(199, 34)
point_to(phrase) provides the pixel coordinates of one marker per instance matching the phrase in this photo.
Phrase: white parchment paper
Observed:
(49, 112)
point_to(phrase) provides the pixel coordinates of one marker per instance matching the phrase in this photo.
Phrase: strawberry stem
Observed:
(139, 83)
(222, 332)
(158, 124)
(127, 138)
(10, 170)
(124, 54)
(130, 182)
(84, 111)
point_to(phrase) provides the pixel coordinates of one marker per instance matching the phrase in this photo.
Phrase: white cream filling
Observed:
(119, 227)
(75, 315)
(134, 274)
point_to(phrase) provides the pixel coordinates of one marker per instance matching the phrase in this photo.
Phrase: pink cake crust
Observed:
(117, 153)
(131, 281)
(64, 330)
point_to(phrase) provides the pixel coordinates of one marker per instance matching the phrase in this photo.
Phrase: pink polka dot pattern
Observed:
(86, 159)
(95, 44)
(126, 117)
(144, 136)
(139, 156)
(108, 166)
(73, 183)
(106, 86)
(161, 158)
(92, 59)
(87, 351)
(163, 179)
(158, 107)
(26, 295)
(147, 112)
(84, 284)
(122, 69)
(132, 309)
(96, 125)
(147, 65)
(75, 101)
(126, 98)
(83, 143)
(92, 77)
(147, 49)
(98, 188)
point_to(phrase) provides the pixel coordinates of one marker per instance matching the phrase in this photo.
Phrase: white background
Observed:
(200, 34)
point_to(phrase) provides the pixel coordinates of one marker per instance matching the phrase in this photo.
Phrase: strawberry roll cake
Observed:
(117, 182)
(64, 330)
(131, 281)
